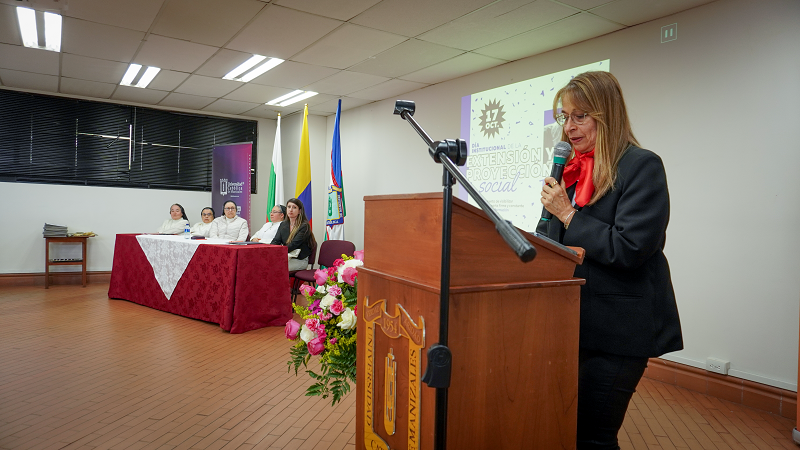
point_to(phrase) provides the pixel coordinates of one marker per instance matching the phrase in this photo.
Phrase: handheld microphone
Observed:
(561, 152)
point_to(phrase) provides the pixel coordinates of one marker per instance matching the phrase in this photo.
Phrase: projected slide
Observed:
(510, 133)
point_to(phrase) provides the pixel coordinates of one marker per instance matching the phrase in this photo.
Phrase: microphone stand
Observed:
(452, 153)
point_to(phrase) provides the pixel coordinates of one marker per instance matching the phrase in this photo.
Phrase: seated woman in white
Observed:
(229, 226)
(204, 228)
(267, 232)
(177, 223)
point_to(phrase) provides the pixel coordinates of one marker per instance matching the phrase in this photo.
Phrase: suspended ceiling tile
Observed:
(135, 15)
(9, 30)
(340, 9)
(230, 106)
(348, 45)
(344, 83)
(496, 22)
(388, 89)
(263, 111)
(413, 17)
(167, 80)
(281, 32)
(207, 86)
(168, 53)
(211, 22)
(586, 5)
(634, 12)
(96, 40)
(453, 68)
(223, 62)
(186, 101)
(86, 88)
(257, 93)
(92, 69)
(16, 57)
(329, 107)
(27, 80)
(571, 30)
(407, 57)
(138, 95)
(294, 75)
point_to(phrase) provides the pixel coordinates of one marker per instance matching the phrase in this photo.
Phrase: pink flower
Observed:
(307, 290)
(349, 276)
(332, 341)
(338, 263)
(355, 310)
(323, 316)
(313, 325)
(320, 276)
(331, 272)
(316, 346)
(337, 307)
(291, 329)
(335, 291)
(359, 255)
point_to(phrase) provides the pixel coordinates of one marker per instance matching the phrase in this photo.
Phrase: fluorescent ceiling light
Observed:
(52, 32)
(261, 69)
(127, 79)
(303, 96)
(148, 76)
(244, 67)
(27, 27)
(284, 97)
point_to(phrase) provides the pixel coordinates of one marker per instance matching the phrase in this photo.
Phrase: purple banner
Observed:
(230, 178)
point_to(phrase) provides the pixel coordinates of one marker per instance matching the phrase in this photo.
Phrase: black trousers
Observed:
(606, 384)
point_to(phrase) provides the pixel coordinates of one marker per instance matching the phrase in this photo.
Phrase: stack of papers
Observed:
(51, 230)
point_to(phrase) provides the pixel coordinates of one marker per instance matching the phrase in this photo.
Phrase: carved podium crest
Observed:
(402, 331)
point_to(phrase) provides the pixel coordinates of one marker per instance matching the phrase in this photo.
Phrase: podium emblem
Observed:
(399, 326)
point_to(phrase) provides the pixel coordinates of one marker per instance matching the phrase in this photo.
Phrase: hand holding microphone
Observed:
(554, 198)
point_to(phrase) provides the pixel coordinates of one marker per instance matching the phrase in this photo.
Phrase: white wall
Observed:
(719, 105)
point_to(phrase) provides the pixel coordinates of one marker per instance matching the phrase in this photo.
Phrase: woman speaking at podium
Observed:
(613, 202)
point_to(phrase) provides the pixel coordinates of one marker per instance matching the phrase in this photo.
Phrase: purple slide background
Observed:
(231, 162)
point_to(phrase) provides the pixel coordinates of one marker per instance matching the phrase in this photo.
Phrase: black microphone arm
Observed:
(448, 151)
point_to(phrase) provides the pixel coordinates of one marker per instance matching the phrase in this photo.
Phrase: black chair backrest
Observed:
(332, 250)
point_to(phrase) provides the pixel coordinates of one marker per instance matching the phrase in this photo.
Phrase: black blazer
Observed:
(300, 240)
(628, 303)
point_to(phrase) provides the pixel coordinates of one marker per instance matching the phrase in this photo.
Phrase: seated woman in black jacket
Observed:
(295, 233)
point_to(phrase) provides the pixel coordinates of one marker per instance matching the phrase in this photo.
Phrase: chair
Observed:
(295, 286)
(329, 252)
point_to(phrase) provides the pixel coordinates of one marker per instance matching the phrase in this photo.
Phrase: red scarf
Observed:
(580, 169)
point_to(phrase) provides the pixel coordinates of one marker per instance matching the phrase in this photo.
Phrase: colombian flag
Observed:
(302, 190)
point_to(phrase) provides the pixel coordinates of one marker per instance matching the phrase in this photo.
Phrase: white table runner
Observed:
(169, 256)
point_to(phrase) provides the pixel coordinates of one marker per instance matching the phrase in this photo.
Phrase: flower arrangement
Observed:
(328, 329)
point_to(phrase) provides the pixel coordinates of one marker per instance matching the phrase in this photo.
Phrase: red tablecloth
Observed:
(240, 287)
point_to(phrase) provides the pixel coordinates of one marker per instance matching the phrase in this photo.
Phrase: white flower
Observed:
(327, 301)
(349, 263)
(348, 320)
(307, 335)
(321, 289)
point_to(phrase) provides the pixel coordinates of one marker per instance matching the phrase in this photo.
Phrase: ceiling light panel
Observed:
(129, 79)
(26, 18)
(245, 71)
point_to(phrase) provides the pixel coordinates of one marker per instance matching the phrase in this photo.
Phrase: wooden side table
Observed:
(48, 262)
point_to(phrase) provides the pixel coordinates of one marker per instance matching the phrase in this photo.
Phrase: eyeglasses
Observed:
(230, 208)
(276, 212)
(578, 119)
(206, 214)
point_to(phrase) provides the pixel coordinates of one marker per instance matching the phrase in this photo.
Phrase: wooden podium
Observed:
(513, 332)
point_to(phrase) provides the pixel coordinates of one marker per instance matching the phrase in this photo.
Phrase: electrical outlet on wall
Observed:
(717, 366)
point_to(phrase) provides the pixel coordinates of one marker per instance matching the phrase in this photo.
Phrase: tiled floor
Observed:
(80, 371)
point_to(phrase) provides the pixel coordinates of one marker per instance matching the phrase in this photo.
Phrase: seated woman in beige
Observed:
(177, 222)
(229, 226)
(268, 231)
(204, 228)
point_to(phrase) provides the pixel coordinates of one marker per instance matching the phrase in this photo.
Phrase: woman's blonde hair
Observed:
(599, 95)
